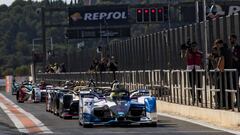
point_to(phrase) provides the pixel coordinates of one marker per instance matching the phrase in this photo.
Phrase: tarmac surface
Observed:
(166, 126)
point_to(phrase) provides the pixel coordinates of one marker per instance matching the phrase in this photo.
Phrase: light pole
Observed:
(197, 10)
(205, 32)
(206, 45)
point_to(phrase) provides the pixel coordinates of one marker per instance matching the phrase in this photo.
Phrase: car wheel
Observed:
(87, 125)
(20, 101)
(67, 117)
(154, 124)
(17, 95)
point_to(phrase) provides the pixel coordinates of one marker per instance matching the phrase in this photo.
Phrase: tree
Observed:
(22, 71)
(8, 71)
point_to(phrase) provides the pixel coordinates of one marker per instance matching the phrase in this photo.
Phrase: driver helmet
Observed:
(67, 83)
(116, 86)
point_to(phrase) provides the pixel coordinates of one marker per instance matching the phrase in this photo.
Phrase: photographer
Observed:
(194, 62)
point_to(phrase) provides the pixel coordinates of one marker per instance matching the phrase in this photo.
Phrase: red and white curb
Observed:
(24, 121)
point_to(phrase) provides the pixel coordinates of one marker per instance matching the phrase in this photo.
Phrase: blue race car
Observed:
(116, 109)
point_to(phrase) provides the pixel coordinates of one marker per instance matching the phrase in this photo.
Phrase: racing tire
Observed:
(42, 100)
(153, 124)
(56, 113)
(20, 101)
(87, 125)
(34, 101)
(67, 117)
(17, 95)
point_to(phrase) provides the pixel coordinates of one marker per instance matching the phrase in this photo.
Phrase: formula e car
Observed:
(142, 96)
(68, 105)
(57, 94)
(36, 95)
(50, 93)
(15, 87)
(62, 102)
(25, 92)
(118, 108)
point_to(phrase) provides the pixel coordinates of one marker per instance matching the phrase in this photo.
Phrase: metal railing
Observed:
(209, 89)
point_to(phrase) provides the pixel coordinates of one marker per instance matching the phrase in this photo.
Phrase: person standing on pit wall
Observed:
(194, 62)
(235, 52)
(235, 48)
(112, 66)
(224, 62)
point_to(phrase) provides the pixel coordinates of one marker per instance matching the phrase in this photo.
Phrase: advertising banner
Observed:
(98, 15)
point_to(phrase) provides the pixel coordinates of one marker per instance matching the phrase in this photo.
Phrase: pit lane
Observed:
(166, 126)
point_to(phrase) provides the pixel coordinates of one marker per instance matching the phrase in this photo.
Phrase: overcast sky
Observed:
(9, 2)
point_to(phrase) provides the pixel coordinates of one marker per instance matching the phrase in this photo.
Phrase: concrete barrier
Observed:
(222, 118)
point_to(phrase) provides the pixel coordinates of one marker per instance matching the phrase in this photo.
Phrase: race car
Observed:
(25, 92)
(68, 105)
(118, 108)
(62, 102)
(49, 99)
(15, 87)
(143, 96)
(57, 93)
(36, 95)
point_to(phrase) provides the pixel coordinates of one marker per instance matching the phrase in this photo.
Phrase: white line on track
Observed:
(201, 123)
(14, 119)
(18, 123)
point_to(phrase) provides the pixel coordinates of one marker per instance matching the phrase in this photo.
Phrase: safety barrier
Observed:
(211, 89)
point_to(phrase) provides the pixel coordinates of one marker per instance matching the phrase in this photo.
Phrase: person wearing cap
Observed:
(194, 62)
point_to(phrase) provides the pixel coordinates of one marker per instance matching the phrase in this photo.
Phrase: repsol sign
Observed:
(98, 15)
(103, 15)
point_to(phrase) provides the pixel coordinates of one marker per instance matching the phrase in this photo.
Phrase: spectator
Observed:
(62, 68)
(112, 66)
(102, 66)
(235, 52)
(213, 58)
(94, 65)
(50, 69)
(235, 48)
(224, 61)
(194, 62)
(56, 68)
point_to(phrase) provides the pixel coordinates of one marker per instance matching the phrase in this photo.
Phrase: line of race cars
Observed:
(93, 105)
(29, 91)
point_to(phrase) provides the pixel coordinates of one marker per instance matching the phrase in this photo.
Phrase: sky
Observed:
(9, 2)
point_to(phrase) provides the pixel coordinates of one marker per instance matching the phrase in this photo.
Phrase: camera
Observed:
(38, 11)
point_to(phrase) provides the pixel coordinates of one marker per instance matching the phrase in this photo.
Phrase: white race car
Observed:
(98, 109)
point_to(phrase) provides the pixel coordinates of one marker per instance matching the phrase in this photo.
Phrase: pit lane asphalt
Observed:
(166, 126)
